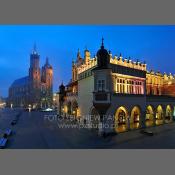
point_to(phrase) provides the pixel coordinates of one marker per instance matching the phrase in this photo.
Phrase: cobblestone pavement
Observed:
(34, 131)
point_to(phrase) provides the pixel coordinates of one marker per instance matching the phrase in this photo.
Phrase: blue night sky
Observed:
(153, 44)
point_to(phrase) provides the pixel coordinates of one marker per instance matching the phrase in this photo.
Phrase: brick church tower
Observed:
(47, 84)
(34, 78)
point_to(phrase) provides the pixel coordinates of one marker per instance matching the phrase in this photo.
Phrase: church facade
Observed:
(36, 89)
(116, 93)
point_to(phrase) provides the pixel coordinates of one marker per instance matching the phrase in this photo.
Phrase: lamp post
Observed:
(29, 108)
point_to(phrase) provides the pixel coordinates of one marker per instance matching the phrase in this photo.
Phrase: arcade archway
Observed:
(149, 120)
(135, 118)
(75, 108)
(121, 119)
(169, 114)
(159, 115)
(69, 111)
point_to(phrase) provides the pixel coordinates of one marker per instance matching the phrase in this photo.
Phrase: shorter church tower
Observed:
(47, 84)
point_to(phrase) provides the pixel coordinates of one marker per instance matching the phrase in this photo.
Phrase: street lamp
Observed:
(29, 108)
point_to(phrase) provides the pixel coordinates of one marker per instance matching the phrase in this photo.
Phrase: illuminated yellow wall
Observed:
(128, 84)
(85, 95)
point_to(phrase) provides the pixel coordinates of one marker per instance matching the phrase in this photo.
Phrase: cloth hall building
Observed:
(118, 92)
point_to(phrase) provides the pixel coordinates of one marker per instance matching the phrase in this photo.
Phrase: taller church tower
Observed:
(34, 77)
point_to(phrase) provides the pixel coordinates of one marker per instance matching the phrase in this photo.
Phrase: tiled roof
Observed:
(20, 82)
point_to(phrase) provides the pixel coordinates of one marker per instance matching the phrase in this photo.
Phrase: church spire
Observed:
(47, 64)
(78, 53)
(47, 61)
(34, 48)
(78, 56)
(62, 83)
(102, 43)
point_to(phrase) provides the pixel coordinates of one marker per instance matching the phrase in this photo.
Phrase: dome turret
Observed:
(62, 88)
(103, 57)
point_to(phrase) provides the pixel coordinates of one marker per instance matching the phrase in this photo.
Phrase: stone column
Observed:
(154, 118)
(134, 88)
(173, 114)
(142, 119)
(128, 122)
(125, 85)
(143, 88)
(164, 113)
